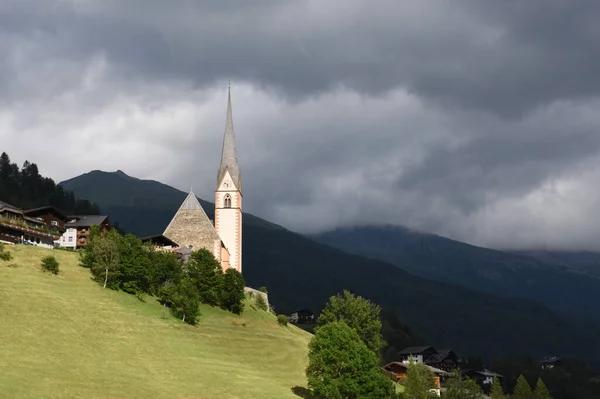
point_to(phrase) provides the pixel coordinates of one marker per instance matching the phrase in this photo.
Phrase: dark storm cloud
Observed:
(505, 57)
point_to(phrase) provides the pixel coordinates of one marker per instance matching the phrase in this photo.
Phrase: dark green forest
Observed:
(25, 188)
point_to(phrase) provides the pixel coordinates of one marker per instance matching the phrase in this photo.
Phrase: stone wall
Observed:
(257, 292)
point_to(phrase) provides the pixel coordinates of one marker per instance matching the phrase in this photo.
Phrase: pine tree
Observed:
(541, 391)
(522, 389)
(496, 392)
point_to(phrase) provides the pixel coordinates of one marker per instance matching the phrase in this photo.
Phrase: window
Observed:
(54, 223)
(70, 238)
(227, 201)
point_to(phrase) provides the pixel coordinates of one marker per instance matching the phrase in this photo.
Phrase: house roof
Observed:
(415, 350)
(87, 221)
(8, 206)
(46, 208)
(160, 239)
(191, 226)
(440, 356)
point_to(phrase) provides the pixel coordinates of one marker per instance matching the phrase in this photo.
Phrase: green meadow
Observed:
(63, 336)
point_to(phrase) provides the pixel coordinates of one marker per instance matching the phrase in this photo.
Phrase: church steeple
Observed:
(229, 161)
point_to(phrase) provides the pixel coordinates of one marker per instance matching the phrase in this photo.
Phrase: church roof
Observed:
(229, 161)
(191, 226)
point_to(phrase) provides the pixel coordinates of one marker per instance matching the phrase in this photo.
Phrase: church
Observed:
(191, 226)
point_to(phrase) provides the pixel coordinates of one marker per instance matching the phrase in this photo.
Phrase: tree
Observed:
(183, 299)
(458, 387)
(105, 264)
(522, 389)
(261, 303)
(232, 296)
(206, 272)
(50, 264)
(496, 391)
(358, 313)
(541, 391)
(419, 381)
(340, 365)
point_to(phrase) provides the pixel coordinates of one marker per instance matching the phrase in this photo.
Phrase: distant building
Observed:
(16, 227)
(483, 377)
(77, 229)
(444, 359)
(160, 242)
(302, 316)
(398, 372)
(550, 363)
(418, 354)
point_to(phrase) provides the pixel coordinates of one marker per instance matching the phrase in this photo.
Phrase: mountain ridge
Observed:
(570, 291)
(301, 272)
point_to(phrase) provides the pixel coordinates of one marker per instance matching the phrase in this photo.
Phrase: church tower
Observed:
(228, 196)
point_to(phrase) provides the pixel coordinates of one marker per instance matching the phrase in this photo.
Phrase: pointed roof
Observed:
(229, 161)
(191, 226)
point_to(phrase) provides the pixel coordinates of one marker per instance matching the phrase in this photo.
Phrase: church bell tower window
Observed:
(227, 201)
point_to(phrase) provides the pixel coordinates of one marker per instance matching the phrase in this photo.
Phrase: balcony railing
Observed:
(20, 224)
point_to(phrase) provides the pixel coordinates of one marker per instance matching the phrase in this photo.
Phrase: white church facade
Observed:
(192, 227)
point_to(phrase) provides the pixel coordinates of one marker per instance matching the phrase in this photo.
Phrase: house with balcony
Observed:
(17, 227)
(77, 229)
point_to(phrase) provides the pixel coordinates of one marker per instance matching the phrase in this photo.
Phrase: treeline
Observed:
(25, 188)
(123, 262)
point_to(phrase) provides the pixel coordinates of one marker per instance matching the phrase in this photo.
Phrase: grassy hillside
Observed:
(65, 337)
(572, 291)
(299, 272)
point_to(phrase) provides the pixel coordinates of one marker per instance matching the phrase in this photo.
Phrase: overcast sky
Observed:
(473, 119)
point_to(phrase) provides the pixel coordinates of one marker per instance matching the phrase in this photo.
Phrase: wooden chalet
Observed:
(16, 227)
(49, 215)
(419, 354)
(482, 377)
(444, 359)
(77, 229)
(160, 242)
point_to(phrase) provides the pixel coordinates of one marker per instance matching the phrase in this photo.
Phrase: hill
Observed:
(572, 291)
(300, 272)
(71, 338)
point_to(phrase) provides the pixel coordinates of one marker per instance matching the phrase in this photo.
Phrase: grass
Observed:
(63, 336)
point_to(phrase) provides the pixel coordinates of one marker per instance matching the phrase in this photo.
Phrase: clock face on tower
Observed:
(226, 184)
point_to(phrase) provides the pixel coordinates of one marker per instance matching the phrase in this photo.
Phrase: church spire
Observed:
(229, 160)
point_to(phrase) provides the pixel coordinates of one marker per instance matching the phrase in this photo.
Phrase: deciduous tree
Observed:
(342, 366)
(231, 295)
(105, 264)
(358, 313)
(419, 382)
(458, 387)
(206, 272)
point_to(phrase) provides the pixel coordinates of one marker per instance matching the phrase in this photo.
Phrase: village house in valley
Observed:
(46, 226)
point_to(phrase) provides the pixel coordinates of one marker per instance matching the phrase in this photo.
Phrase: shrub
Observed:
(13, 265)
(282, 319)
(261, 303)
(3, 254)
(263, 289)
(50, 264)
